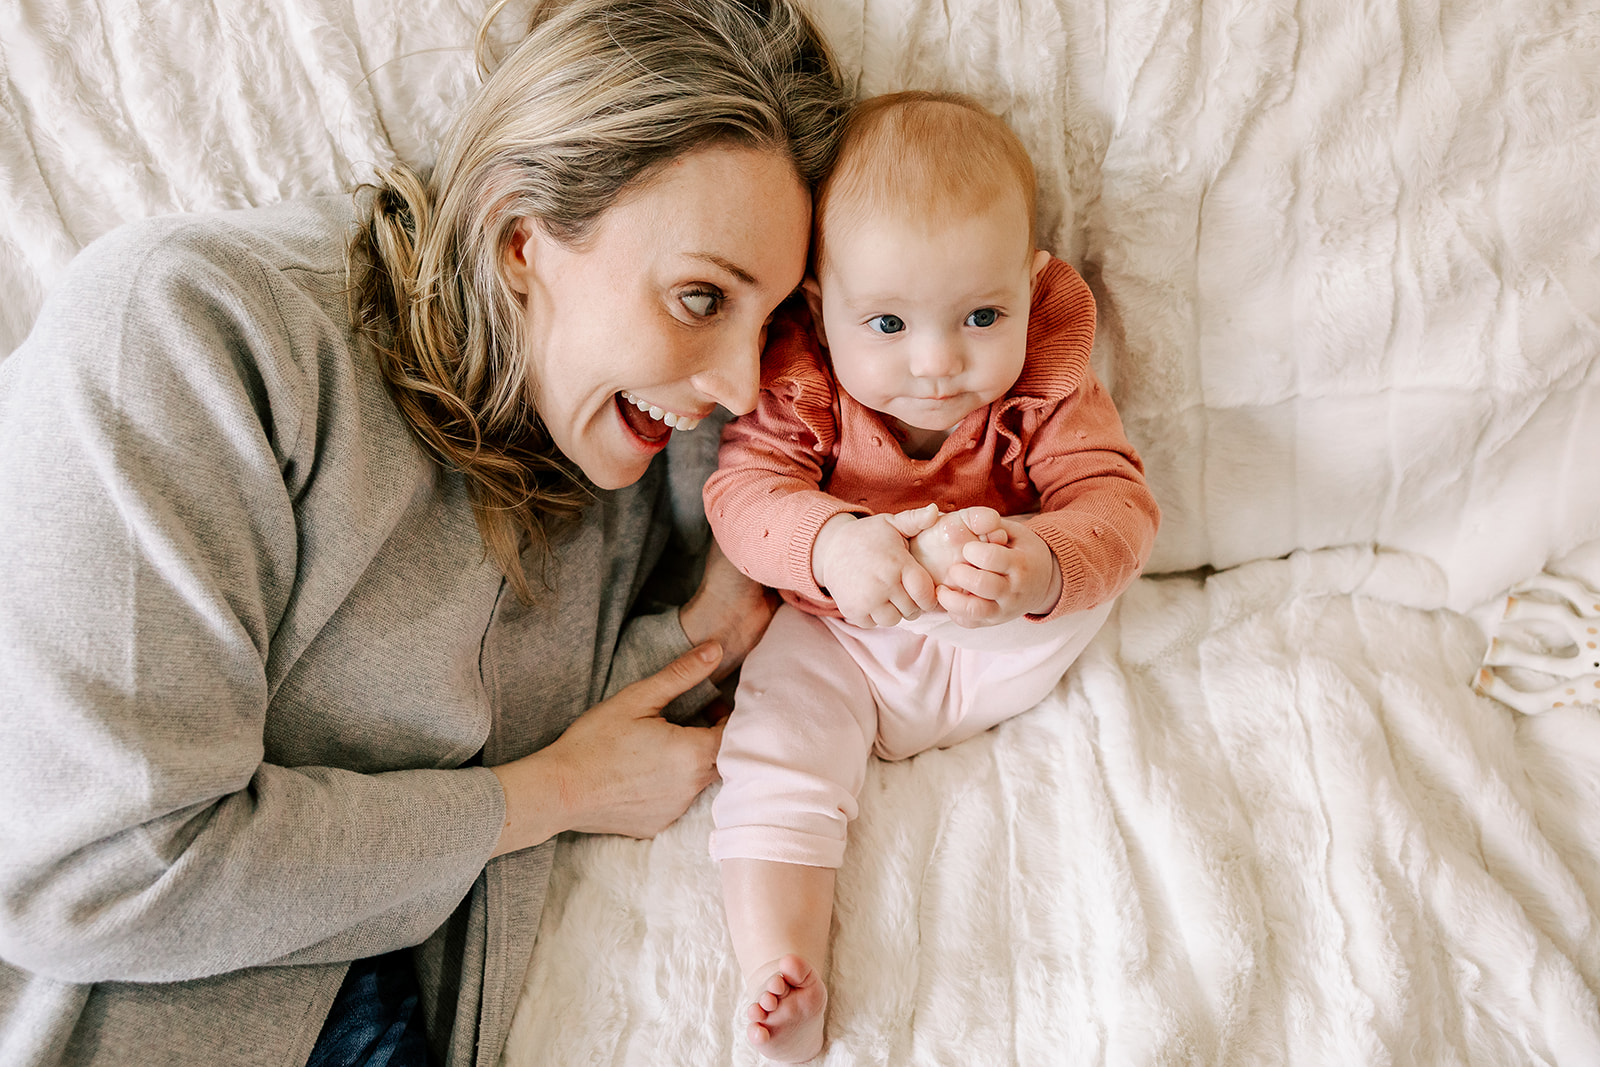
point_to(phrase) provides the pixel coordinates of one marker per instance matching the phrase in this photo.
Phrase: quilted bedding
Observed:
(1348, 265)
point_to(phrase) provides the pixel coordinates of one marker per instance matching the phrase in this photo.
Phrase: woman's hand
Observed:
(867, 567)
(728, 608)
(620, 768)
(1007, 572)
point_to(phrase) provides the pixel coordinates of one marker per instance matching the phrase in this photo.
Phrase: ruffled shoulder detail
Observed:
(1060, 334)
(796, 371)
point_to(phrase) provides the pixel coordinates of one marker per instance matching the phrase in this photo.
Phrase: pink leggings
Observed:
(817, 696)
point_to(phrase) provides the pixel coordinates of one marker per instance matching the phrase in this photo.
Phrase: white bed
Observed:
(1348, 265)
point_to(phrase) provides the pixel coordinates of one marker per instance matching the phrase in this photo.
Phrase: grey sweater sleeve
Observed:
(154, 428)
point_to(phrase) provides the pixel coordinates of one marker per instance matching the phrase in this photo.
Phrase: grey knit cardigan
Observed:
(251, 650)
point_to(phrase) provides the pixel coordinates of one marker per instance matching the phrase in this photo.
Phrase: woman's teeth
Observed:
(677, 422)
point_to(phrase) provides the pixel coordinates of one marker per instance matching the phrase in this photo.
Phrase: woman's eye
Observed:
(886, 324)
(702, 303)
(983, 317)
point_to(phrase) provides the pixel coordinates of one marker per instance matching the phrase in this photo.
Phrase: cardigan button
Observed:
(877, 441)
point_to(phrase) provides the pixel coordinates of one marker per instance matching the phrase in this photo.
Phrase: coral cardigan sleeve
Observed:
(763, 501)
(1096, 513)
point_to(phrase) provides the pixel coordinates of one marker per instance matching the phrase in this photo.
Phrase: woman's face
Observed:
(658, 314)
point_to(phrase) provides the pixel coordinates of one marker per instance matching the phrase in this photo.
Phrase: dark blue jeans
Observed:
(375, 1020)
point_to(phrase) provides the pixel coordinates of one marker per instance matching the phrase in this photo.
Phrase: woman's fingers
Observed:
(620, 768)
(658, 690)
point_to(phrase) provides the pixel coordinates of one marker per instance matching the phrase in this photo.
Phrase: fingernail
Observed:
(710, 652)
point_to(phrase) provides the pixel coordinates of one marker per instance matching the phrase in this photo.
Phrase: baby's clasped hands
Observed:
(978, 566)
(992, 569)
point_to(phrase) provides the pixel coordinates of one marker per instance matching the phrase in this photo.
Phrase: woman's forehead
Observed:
(733, 208)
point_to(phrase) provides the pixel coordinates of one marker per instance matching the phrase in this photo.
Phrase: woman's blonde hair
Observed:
(597, 96)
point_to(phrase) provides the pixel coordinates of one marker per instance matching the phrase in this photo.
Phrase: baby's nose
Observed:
(938, 359)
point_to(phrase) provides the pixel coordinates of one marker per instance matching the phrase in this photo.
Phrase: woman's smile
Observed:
(672, 420)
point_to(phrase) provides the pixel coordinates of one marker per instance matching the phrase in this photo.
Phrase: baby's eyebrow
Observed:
(868, 302)
(728, 265)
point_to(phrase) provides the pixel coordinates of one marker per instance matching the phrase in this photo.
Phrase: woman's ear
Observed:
(813, 293)
(517, 260)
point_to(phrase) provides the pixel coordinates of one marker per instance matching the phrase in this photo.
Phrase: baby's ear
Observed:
(813, 293)
(1040, 259)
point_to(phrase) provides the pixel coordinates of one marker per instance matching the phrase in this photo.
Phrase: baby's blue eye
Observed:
(701, 303)
(983, 317)
(886, 323)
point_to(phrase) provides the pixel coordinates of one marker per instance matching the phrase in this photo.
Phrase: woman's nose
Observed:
(734, 376)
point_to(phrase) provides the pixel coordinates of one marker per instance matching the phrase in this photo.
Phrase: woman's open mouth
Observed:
(650, 422)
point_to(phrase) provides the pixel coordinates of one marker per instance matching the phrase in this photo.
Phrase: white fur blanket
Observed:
(1262, 822)
(1346, 261)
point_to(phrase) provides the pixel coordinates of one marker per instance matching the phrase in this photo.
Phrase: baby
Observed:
(941, 491)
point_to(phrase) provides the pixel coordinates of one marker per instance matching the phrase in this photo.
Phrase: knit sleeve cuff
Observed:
(1070, 560)
(817, 513)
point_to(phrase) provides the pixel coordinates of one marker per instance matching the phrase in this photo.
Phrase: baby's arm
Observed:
(866, 565)
(1096, 514)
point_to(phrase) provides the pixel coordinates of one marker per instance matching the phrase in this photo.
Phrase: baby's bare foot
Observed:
(787, 1014)
(938, 548)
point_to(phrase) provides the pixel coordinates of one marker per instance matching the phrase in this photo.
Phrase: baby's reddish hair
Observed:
(925, 156)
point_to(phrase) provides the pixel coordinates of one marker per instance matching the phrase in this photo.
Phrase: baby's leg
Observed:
(778, 919)
(793, 760)
(937, 683)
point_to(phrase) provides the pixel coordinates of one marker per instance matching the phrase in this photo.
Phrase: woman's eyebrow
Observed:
(729, 266)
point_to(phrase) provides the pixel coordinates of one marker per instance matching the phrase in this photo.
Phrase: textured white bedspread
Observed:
(1262, 822)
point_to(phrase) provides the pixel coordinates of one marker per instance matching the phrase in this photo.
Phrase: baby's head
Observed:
(924, 259)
